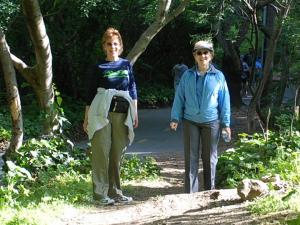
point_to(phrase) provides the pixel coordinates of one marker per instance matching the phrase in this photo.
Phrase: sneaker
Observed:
(105, 201)
(123, 199)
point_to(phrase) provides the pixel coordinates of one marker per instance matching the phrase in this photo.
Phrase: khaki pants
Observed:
(108, 146)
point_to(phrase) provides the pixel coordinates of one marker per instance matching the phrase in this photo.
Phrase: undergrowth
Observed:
(268, 154)
(48, 173)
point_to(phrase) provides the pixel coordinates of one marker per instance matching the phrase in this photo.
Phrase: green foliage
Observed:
(254, 157)
(139, 168)
(257, 155)
(74, 112)
(8, 9)
(36, 155)
(276, 203)
(155, 95)
(35, 158)
(19, 220)
(63, 122)
(282, 120)
(4, 134)
(5, 124)
(50, 192)
(67, 185)
(294, 221)
(149, 11)
(197, 37)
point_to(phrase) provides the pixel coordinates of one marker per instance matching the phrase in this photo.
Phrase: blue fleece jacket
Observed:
(202, 99)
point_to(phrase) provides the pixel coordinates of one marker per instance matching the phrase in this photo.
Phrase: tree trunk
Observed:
(284, 77)
(252, 109)
(12, 97)
(267, 70)
(40, 75)
(231, 64)
(231, 69)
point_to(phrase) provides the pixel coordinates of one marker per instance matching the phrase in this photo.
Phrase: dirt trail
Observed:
(162, 202)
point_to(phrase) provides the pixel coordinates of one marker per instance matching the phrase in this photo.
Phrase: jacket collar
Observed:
(212, 70)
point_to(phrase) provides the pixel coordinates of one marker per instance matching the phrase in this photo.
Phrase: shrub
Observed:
(156, 95)
(139, 168)
(35, 157)
(254, 157)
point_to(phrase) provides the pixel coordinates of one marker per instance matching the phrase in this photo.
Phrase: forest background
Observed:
(46, 48)
(156, 33)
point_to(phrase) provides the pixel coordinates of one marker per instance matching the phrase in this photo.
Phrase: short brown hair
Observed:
(110, 32)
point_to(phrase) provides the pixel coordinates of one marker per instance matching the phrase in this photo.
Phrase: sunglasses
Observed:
(201, 52)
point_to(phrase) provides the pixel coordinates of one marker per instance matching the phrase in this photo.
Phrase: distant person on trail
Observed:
(202, 103)
(245, 76)
(258, 70)
(110, 117)
(177, 72)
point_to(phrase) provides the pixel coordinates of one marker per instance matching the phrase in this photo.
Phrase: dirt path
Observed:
(163, 202)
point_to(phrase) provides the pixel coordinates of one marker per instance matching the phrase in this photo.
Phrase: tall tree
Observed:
(40, 75)
(281, 10)
(12, 97)
(231, 63)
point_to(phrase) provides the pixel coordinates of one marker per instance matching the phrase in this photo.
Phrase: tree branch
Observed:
(26, 71)
(163, 17)
(40, 40)
(177, 11)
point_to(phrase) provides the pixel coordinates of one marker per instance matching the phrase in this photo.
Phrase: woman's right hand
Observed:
(85, 122)
(84, 126)
(173, 126)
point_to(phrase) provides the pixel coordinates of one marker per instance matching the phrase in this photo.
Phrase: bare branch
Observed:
(163, 17)
(26, 71)
(249, 6)
(177, 11)
(163, 9)
(18, 63)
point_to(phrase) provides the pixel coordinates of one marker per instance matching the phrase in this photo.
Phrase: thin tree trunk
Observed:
(252, 109)
(274, 36)
(231, 64)
(285, 74)
(12, 97)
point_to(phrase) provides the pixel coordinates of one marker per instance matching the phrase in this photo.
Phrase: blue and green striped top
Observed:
(112, 75)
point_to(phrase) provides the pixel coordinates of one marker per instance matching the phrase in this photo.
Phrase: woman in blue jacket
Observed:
(202, 102)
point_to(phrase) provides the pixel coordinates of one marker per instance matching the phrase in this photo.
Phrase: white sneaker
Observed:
(123, 199)
(105, 201)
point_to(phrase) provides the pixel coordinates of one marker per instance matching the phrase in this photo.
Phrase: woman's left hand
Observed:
(136, 121)
(136, 118)
(228, 131)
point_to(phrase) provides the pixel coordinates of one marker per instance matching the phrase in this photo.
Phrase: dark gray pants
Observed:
(204, 138)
